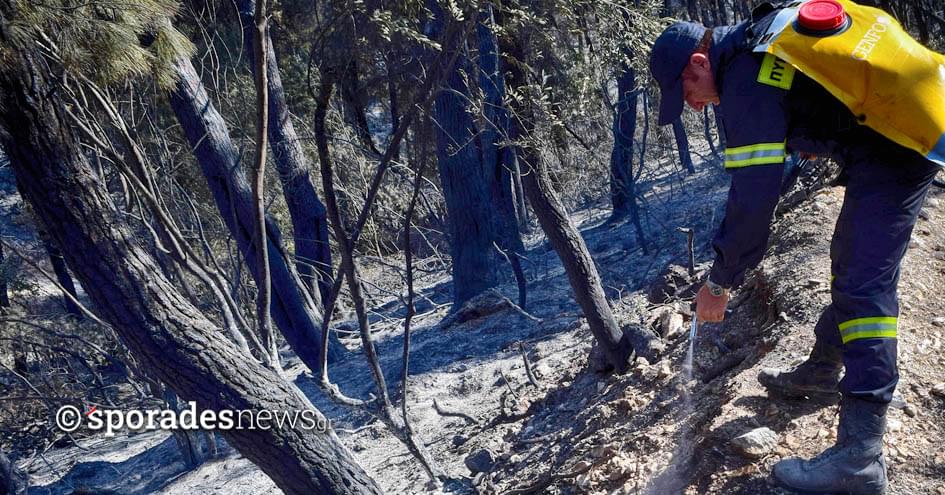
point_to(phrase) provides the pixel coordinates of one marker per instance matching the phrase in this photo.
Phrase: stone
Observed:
(933, 202)
(480, 461)
(893, 425)
(664, 371)
(671, 324)
(910, 411)
(924, 214)
(756, 443)
(459, 440)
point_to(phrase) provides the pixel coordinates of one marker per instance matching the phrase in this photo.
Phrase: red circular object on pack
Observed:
(821, 15)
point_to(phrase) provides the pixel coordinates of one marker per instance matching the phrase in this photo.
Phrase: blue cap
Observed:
(669, 57)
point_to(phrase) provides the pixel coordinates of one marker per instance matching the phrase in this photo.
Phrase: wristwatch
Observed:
(715, 289)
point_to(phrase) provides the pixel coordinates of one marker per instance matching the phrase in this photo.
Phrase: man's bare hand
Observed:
(710, 308)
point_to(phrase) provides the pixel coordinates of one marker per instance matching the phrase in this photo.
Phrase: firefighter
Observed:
(769, 110)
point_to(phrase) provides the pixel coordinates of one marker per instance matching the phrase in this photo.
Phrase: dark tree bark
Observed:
(62, 276)
(682, 144)
(309, 220)
(722, 13)
(623, 192)
(12, 480)
(293, 310)
(188, 441)
(464, 180)
(4, 296)
(693, 10)
(163, 330)
(565, 239)
(707, 129)
(264, 280)
(499, 159)
(719, 128)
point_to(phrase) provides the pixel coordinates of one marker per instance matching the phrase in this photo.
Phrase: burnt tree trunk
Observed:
(4, 296)
(62, 276)
(564, 238)
(707, 130)
(623, 192)
(499, 159)
(719, 128)
(12, 480)
(293, 310)
(464, 180)
(309, 217)
(167, 334)
(682, 144)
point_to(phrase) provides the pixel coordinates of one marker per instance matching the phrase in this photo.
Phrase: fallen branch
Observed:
(452, 413)
(528, 366)
(508, 384)
(487, 303)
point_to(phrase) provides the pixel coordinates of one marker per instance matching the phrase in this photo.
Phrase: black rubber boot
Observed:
(854, 466)
(817, 378)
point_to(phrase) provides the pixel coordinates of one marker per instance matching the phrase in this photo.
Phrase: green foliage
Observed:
(103, 40)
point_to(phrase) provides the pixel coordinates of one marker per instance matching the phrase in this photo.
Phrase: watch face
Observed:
(716, 291)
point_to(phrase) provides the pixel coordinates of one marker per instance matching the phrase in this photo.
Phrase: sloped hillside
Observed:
(652, 432)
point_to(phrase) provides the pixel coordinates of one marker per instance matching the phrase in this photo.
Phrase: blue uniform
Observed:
(770, 110)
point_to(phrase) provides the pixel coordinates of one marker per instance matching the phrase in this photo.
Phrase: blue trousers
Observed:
(885, 189)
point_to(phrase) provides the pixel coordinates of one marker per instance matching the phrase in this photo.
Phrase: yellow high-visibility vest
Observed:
(887, 79)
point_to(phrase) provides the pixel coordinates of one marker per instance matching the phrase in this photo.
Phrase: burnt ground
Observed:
(642, 433)
(648, 431)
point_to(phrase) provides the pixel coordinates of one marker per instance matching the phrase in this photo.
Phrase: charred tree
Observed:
(165, 332)
(682, 145)
(499, 159)
(4, 296)
(293, 310)
(12, 480)
(62, 276)
(719, 128)
(564, 238)
(463, 178)
(309, 217)
(623, 193)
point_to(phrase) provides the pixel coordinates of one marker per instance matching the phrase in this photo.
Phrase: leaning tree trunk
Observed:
(617, 345)
(623, 192)
(309, 220)
(464, 181)
(499, 160)
(169, 336)
(293, 310)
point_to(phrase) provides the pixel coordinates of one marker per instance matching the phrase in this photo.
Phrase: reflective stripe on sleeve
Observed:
(877, 327)
(754, 154)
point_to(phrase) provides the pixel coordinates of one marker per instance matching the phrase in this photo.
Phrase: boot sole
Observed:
(817, 396)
